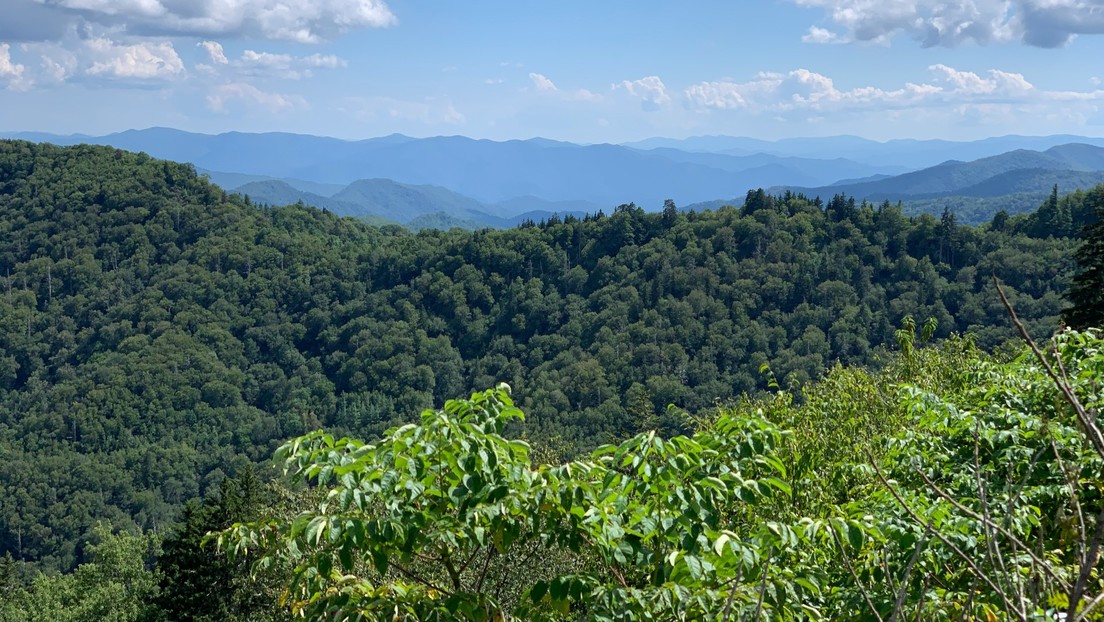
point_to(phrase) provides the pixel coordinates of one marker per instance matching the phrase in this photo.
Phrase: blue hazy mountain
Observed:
(468, 181)
(383, 201)
(488, 171)
(907, 153)
(1070, 166)
(405, 202)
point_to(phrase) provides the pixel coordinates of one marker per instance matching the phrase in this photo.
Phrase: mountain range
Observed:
(1022, 170)
(458, 181)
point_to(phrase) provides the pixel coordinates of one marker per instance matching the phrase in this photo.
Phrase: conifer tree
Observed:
(1087, 290)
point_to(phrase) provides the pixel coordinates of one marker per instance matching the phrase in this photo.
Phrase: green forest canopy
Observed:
(949, 485)
(157, 334)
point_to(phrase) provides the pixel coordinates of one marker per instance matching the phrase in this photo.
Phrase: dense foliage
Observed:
(983, 503)
(157, 334)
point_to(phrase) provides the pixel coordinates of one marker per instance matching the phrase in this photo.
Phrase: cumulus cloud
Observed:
(1043, 23)
(968, 82)
(215, 51)
(303, 22)
(542, 83)
(58, 65)
(806, 92)
(1052, 23)
(223, 95)
(285, 65)
(817, 34)
(584, 95)
(140, 61)
(10, 71)
(651, 91)
(102, 58)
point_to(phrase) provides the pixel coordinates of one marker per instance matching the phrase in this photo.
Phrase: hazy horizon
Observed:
(10, 131)
(583, 72)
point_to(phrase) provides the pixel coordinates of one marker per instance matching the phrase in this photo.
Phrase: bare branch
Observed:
(855, 576)
(1089, 607)
(762, 590)
(978, 517)
(732, 594)
(1087, 566)
(957, 551)
(908, 571)
(1096, 437)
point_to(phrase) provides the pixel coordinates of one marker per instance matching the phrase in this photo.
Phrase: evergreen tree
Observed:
(1087, 290)
(198, 584)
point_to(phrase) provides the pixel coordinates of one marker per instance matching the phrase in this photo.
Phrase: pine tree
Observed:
(198, 583)
(1087, 290)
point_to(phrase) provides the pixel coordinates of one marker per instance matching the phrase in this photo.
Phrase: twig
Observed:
(1087, 566)
(1089, 607)
(762, 590)
(732, 593)
(413, 577)
(974, 515)
(957, 551)
(897, 604)
(483, 573)
(1096, 437)
(855, 576)
(992, 552)
(1073, 496)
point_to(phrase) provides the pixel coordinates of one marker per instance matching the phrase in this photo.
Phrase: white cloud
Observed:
(651, 91)
(805, 92)
(970, 83)
(585, 95)
(285, 66)
(727, 95)
(542, 83)
(817, 34)
(10, 71)
(214, 50)
(323, 61)
(1043, 23)
(58, 64)
(300, 21)
(453, 116)
(141, 61)
(101, 58)
(240, 91)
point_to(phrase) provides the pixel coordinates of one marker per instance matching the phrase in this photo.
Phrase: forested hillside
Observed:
(157, 334)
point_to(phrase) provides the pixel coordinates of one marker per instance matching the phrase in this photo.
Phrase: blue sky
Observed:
(585, 71)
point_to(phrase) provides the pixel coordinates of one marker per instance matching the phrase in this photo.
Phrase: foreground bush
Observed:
(983, 501)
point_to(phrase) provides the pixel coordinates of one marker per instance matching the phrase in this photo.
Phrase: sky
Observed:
(586, 71)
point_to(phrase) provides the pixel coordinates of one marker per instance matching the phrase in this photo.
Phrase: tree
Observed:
(441, 521)
(116, 586)
(1086, 292)
(197, 583)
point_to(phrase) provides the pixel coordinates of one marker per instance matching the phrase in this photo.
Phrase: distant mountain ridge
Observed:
(384, 200)
(469, 182)
(488, 171)
(907, 152)
(1070, 166)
